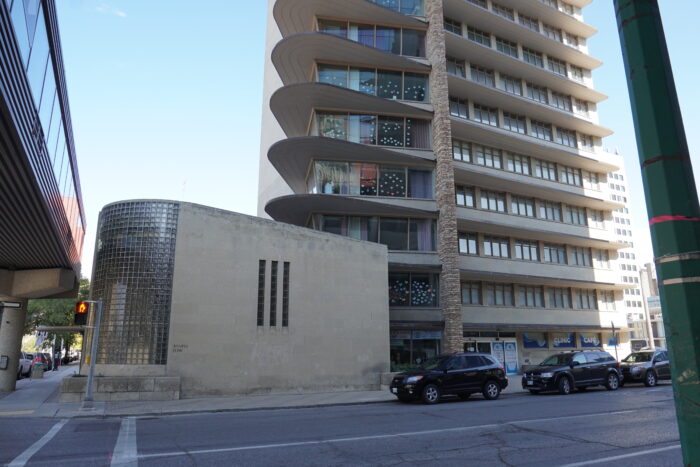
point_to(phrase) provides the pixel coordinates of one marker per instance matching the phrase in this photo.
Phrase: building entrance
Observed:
(505, 351)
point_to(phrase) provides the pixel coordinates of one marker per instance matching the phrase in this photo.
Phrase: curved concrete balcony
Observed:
(481, 268)
(294, 56)
(494, 97)
(294, 16)
(517, 143)
(293, 105)
(551, 15)
(297, 209)
(525, 185)
(293, 157)
(530, 228)
(540, 319)
(489, 21)
(461, 47)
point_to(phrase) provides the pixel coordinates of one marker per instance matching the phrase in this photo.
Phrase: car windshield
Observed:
(557, 360)
(435, 363)
(638, 357)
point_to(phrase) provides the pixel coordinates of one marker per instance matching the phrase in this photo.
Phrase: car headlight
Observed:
(636, 369)
(547, 375)
(413, 379)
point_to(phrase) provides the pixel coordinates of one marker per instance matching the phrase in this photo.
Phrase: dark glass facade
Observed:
(133, 275)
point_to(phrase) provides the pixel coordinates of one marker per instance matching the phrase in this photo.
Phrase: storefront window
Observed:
(535, 340)
(409, 349)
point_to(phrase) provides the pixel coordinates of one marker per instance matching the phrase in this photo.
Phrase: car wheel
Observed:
(431, 394)
(465, 395)
(404, 398)
(613, 382)
(650, 379)
(564, 386)
(491, 390)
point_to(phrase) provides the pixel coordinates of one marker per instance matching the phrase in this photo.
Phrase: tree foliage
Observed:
(55, 312)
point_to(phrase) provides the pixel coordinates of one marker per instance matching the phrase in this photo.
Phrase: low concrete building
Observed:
(233, 304)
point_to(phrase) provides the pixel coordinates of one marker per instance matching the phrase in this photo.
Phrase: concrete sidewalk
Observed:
(39, 398)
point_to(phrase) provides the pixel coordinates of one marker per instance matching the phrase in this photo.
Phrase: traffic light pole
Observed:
(88, 399)
(672, 203)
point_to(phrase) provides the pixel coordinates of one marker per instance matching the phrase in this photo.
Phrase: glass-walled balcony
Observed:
(375, 130)
(387, 84)
(398, 41)
(398, 234)
(407, 7)
(366, 179)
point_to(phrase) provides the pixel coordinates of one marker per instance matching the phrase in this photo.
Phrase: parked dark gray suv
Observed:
(580, 369)
(645, 366)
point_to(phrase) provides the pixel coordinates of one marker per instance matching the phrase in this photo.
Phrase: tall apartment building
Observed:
(41, 207)
(464, 135)
(652, 301)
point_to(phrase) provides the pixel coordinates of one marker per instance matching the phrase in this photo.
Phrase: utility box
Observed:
(37, 371)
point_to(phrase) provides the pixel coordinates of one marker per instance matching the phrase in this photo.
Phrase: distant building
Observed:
(650, 292)
(42, 220)
(214, 302)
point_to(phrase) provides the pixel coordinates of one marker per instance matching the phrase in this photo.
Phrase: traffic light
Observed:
(81, 313)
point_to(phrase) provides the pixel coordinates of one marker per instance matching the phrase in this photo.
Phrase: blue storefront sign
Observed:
(426, 335)
(562, 340)
(588, 339)
(535, 340)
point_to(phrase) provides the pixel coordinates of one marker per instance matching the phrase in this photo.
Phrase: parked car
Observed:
(647, 366)
(48, 361)
(25, 365)
(580, 369)
(460, 374)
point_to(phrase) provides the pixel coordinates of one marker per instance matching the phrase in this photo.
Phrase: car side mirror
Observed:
(573, 364)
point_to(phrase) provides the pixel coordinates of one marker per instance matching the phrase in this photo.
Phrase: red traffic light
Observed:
(81, 312)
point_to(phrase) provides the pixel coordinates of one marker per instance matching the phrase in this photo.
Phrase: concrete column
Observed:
(11, 331)
(448, 245)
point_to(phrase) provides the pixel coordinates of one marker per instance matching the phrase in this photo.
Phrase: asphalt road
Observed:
(631, 426)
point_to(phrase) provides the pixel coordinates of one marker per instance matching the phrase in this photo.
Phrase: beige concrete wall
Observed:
(338, 334)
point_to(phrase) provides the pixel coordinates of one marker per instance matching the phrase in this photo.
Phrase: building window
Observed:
(581, 256)
(581, 107)
(261, 292)
(493, 201)
(499, 294)
(507, 47)
(461, 150)
(486, 115)
(566, 137)
(510, 84)
(522, 206)
(285, 295)
(456, 67)
(407, 7)
(413, 290)
(481, 37)
(483, 76)
(481, 3)
(453, 26)
(576, 215)
(596, 218)
(468, 243)
(531, 297)
(559, 297)
(587, 300)
(550, 3)
(601, 259)
(487, 156)
(576, 73)
(465, 196)
(546, 170)
(528, 22)
(471, 293)
(585, 142)
(570, 176)
(506, 12)
(409, 42)
(372, 129)
(533, 57)
(497, 247)
(518, 164)
(273, 293)
(561, 101)
(550, 211)
(398, 234)
(537, 93)
(552, 32)
(541, 130)
(607, 300)
(556, 66)
(514, 122)
(527, 250)
(554, 253)
(459, 108)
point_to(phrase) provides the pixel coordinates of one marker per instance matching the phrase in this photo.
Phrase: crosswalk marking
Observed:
(23, 458)
(125, 453)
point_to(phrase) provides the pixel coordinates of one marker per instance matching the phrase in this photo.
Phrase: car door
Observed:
(662, 365)
(597, 366)
(580, 369)
(474, 376)
(453, 381)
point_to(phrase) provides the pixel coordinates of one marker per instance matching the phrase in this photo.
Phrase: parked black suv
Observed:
(647, 366)
(565, 371)
(459, 374)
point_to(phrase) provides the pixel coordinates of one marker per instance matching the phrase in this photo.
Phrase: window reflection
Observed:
(370, 129)
(376, 82)
(398, 41)
(413, 290)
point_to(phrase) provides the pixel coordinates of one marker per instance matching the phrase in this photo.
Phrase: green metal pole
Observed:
(672, 203)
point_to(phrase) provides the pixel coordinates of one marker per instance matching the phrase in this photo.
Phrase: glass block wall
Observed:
(133, 275)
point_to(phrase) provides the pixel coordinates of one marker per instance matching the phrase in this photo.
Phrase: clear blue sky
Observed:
(166, 96)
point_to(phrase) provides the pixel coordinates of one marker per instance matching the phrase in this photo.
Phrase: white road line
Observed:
(623, 456)
(23, 458)
(370, 437)
(125, 453)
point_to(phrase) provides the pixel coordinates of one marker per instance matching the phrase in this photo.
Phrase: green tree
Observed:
(55, 312)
